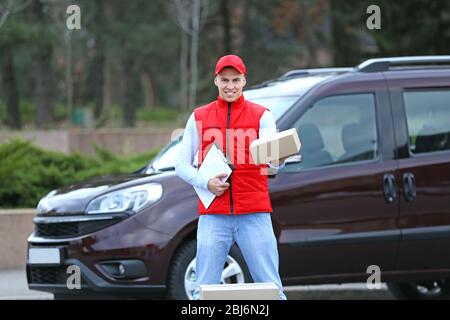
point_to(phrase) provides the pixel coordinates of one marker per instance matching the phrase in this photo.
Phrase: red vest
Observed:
(248, 191)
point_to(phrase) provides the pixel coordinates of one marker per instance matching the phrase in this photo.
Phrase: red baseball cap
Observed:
(230, 60)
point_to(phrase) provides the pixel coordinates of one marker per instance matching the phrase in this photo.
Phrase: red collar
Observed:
(240, 102)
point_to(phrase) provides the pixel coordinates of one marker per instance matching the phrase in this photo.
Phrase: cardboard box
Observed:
(240, 291)
(281, 145)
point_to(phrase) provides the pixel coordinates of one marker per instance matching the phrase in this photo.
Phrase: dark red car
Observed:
(372, 189)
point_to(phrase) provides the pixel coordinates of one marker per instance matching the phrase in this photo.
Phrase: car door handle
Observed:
(409, 186)
(389, 188)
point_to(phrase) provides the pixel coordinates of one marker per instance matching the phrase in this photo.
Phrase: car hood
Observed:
(74, 198)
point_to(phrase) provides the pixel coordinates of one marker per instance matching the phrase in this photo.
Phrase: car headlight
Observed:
(129, 199)
(43, 205)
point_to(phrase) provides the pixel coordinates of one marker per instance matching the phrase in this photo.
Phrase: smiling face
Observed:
(230, 83)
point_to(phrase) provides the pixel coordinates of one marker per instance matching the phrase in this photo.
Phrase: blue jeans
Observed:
(253, 234)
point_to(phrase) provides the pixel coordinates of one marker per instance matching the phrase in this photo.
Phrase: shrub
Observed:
(157, 114)
(27, 173)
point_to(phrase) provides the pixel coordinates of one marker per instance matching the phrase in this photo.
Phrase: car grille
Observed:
(49, 275)
(71, 229)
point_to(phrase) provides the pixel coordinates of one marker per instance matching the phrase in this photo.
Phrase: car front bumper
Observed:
(125, 241)
(56, 279)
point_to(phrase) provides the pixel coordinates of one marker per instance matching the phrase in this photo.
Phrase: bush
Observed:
(27, 173)
(157, 114)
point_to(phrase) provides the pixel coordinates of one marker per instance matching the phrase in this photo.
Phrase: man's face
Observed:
(230, 83)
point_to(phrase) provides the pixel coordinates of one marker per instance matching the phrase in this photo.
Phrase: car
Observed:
(371, 191)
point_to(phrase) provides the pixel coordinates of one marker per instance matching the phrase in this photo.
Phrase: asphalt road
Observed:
(13, 286)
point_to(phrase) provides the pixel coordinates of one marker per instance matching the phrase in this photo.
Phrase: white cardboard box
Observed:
(240, 291)
(281, 145)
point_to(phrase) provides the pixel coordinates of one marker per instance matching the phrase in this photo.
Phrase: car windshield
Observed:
(278, 97)
(165, 159)
(277, 105)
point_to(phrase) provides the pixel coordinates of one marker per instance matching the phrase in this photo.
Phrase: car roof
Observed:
(298, 82)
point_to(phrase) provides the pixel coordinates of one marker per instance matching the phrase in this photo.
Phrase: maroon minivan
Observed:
(371, 188)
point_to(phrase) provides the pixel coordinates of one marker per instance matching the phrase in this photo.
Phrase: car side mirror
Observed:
(296, 158)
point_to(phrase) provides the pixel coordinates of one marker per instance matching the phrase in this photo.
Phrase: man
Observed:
(241, 210)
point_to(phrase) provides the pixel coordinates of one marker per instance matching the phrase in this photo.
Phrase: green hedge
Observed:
(27, 172)
(157, 114)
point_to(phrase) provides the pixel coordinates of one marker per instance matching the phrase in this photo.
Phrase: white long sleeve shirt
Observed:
(190, 146)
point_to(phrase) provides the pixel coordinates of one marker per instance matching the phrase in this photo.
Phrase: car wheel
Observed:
(181, 281)
(422, 290)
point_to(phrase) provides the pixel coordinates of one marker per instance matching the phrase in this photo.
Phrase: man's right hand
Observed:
(216, 186)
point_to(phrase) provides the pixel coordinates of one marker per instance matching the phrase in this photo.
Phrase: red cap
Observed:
(230, 61)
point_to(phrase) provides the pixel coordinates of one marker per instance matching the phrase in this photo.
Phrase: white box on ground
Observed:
(281, 145)
(240, 291)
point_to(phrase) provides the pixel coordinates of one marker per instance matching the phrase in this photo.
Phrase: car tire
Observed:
(421, 290)
(184, 259)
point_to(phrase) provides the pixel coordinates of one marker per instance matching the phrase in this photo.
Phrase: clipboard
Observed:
(213, 164)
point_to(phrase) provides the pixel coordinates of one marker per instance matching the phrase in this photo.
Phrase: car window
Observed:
(337, 129)
(428, 120)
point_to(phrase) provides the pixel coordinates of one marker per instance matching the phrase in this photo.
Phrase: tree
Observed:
(191, 16)
(9, 35)
(43, 72)
(11, 7)
(10, 88)
(348, 24)
(415, 27)
(146, 52)
(225, 10)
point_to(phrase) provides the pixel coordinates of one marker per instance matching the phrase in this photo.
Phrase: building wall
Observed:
(118, 141)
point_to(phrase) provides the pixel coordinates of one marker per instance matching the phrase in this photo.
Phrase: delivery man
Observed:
(241, 209)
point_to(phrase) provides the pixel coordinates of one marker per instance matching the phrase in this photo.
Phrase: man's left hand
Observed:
(279, 162)
(283, 160)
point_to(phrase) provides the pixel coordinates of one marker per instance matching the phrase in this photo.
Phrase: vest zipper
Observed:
(229, 154)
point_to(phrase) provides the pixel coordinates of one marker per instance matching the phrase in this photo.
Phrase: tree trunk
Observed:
(99, 60)
(108, 81)
(127, 104)
(42, 70)
(184, 70)
(68, 73)
(98, 80)
(44, 101)
(13, 119)
(247, 27)
(226, 26)
(310, 38)
(194, 52)
(147, 87)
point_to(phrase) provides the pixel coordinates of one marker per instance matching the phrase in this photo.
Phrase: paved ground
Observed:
(354, 291)
(13, 286)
